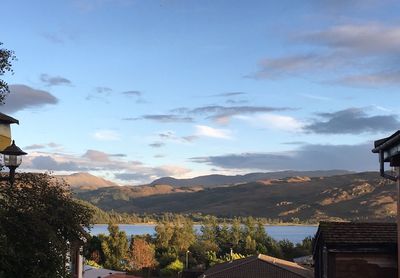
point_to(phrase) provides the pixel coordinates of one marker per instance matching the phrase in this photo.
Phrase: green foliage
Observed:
(235, 234)
(93, 250)
(115, 248)
(173, 238)
(183, 235)
(172, 269)
(223, 238)
(250, 246)
(6, 57)
(290, 251)
(200, 251)
(92, 263)
(39, 220)
(232, 257)
(209, 229)
(213, 259)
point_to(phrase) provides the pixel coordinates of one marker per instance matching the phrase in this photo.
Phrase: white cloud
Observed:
(207, 131)
(370, 38)
(274, 121)
(174, 170)
(106, 135)
(286, 123)
(101, 164)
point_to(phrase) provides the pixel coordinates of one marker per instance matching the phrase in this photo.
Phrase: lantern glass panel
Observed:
(12, 160)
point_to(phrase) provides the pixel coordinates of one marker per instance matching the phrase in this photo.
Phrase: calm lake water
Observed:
(293, 233)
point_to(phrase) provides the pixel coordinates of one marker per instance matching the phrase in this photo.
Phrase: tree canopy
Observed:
(39, 221)
(115, 248)
(141, 254)
(6, 57)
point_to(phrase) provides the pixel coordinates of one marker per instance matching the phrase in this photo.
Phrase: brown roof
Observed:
(7, 119)
(357, 233)
(258, 266)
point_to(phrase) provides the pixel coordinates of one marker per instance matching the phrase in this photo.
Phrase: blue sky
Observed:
(135, 90)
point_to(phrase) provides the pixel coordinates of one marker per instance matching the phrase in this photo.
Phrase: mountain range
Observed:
(313, 197)
(85, 181)
(221, 180)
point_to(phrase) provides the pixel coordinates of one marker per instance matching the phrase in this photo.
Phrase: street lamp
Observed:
(187, 259)
(12, 158)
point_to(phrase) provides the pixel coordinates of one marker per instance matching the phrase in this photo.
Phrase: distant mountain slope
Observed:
(112, 195)
(85, 181)
(357, 196)
(219, 180)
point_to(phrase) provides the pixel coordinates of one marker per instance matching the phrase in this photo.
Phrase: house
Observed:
(352, 250)
(258, 266)
(5, 131)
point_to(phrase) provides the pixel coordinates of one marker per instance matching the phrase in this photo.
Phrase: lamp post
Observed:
(187, 259)
(12, 156)
(389, 152)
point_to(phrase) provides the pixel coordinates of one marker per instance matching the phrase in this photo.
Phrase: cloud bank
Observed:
(23, 97)
(353, 121)
(306, 157)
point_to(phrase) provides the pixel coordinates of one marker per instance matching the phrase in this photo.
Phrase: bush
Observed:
(172, 269)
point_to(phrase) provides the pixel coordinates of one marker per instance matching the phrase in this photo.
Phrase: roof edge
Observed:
(8, 119)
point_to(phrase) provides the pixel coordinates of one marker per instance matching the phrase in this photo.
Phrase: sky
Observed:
(134, 90)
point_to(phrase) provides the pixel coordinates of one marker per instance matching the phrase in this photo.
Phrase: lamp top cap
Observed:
(13, 150)
(7, 119)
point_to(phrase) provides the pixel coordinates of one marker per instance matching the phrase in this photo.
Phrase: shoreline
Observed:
(199, 223)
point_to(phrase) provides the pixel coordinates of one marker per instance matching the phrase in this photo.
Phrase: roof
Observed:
(258, 266)
(93, 272)
(364, 234)
(386, 142)
(121, 276)
(364, 237)
(7, 119)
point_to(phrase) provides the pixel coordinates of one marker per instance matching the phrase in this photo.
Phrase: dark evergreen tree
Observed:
(39, 220)
(115, 248)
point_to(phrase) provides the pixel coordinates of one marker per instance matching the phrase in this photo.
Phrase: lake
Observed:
(293, 233)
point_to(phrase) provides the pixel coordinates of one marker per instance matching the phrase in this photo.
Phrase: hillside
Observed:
(351, 196)
(220, 180)
(85, 181)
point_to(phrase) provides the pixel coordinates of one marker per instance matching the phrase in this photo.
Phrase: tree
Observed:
(288, 249)
(209, 229)
(93, 250)
(6, 57)
(183, 235)
(250, 246)
(39, 220)
(164, 233)
(115, 248)
(141, 254)
(201, 250)
(223, 238)
(235, 234)
(172, 269)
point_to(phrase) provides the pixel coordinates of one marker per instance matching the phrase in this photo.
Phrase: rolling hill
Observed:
(363, 196)
(221, 180)
(85, 181)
